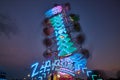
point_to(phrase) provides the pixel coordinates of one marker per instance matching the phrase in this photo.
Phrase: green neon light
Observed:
(93, 77)
(65, 46)
(64, 40)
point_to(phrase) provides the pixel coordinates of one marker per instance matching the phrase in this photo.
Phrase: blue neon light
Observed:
(66, 71)
(53, 11)
(88, 73)
(48, 66)
(55, 64)
(67, 65)
(35, 72)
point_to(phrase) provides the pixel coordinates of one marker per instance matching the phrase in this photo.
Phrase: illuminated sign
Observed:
(67, 65)
(53, 11)
(49, 66)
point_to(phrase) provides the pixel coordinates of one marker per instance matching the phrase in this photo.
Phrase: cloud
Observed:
(7, 26)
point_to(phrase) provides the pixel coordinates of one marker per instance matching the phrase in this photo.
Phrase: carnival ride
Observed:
(67, 58)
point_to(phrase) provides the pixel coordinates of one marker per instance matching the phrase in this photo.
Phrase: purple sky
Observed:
(100, 21)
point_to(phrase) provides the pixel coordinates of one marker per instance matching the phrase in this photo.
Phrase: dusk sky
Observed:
(21, 41)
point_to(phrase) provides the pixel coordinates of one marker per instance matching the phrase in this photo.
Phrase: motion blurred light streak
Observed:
(66, 46)
(53, 11)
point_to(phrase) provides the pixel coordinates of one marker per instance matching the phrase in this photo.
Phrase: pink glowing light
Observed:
(53, 11)
(57, 9)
